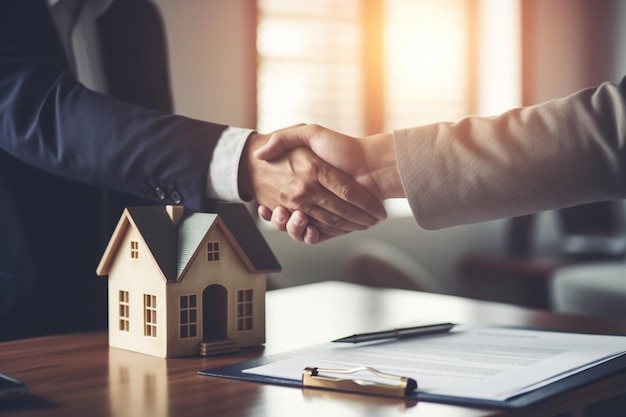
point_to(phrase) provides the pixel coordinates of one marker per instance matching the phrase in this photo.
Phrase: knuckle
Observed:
(295, 196)
(346, 211)
(337, 222)
(346, 193)
(298, 190)
(314, 128)
(310, 169)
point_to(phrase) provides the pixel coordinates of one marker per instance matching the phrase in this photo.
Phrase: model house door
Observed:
(214, 315)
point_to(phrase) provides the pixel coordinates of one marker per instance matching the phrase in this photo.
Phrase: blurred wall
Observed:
(212, 53)
(568, 45)
(571, 44)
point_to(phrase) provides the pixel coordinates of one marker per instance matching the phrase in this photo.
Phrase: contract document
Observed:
(489, 363)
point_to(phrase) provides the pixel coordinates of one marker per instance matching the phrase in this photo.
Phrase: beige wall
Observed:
(571, 44)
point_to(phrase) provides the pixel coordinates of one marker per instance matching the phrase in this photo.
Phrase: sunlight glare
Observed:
(422, 43)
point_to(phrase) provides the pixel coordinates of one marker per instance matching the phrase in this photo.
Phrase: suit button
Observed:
(148, 191)
(176, 197)
(159, 193)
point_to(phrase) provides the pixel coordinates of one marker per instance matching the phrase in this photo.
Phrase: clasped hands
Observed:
(315, 183)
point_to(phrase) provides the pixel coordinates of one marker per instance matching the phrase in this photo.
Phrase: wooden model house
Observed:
(186, 283)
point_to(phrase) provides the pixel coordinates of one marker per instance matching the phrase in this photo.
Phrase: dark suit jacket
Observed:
(64, 149)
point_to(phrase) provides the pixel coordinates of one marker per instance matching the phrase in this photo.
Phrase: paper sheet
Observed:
(483, 362)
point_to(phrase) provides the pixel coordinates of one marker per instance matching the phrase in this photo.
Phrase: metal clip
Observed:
(402, 386)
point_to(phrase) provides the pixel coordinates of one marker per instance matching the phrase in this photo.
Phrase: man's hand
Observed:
(370, 162)
(299, 180)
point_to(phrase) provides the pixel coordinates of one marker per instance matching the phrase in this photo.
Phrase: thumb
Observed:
(281, 141)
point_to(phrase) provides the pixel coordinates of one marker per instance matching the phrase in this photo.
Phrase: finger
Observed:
(281, 141)
(353, 202)
(334, 215)
(331, 230)
(315, 233)
(312, 235)
(321, 238)
(297, 226)
(280, 217)
(265, 213)
(327, 221)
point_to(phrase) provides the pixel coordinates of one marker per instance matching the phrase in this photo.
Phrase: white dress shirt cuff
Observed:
(223, 175)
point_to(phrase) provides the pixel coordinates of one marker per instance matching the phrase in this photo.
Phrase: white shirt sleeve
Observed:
(223, 175)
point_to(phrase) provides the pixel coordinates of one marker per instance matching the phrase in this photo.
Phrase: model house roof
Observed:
(173, 236)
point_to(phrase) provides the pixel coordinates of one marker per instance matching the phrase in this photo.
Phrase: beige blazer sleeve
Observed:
(557, 154)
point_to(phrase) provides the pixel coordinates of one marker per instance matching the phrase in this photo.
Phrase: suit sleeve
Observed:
(557, 154)
(51, 121)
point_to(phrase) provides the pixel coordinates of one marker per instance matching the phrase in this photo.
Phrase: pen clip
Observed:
(402, 386)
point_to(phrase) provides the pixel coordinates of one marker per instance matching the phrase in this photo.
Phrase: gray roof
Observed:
(191, 230)
(247, 233)
(160, 235)
(173, 246)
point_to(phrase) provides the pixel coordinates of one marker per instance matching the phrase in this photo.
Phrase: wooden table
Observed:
(79, 375)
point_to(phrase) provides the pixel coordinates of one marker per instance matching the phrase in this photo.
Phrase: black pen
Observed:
(399, 333)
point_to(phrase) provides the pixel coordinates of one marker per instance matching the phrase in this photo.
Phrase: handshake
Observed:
(315, 183)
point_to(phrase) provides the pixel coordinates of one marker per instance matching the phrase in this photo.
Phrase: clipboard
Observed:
(585, 377)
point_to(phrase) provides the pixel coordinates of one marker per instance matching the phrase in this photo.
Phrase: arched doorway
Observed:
(214, 313)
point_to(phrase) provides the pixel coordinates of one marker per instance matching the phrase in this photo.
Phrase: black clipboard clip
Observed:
(399, 386)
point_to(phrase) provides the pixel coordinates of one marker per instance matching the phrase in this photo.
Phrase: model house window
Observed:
(150, 315)
(188, 316)
(134, 249)
(124, 311)
(244, 310)
(213, 251)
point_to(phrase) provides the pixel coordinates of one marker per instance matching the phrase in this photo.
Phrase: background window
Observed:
(427, 64)
(365, 67)
(309, 65)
